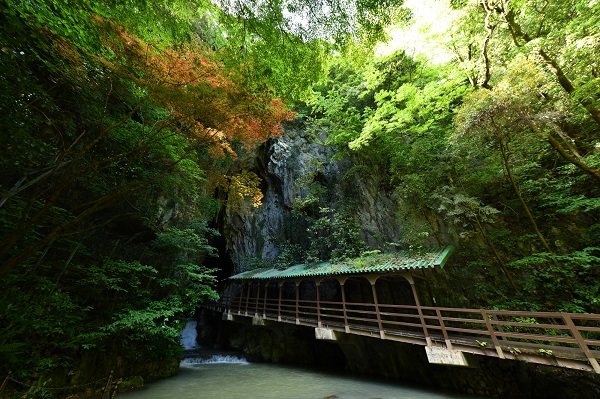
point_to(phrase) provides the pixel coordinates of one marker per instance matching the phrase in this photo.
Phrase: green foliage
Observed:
(289, 255)
(182, 244)
(334, 236)
(129, 308)
(120, 121)
(547, 284)
(104, 192)
(478, 167)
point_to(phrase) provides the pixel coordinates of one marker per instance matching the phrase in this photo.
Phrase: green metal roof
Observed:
(384, 263)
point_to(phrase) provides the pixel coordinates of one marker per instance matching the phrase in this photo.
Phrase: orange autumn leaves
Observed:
(205, 101)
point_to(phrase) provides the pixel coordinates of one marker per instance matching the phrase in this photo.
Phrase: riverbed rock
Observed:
(131, 383)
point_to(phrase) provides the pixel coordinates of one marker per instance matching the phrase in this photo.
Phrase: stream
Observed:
(229, 376)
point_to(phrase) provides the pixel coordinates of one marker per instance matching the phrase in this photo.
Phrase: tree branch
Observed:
(587, 169)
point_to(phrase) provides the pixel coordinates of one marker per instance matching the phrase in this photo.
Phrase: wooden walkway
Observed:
(559, 339)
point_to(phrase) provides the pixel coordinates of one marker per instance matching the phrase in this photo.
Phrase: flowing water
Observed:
(228, 377)
(188, 335)
(232, 377)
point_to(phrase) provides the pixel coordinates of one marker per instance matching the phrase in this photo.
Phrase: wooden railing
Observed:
(564, 339)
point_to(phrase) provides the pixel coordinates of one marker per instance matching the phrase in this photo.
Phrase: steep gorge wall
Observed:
(290, 167)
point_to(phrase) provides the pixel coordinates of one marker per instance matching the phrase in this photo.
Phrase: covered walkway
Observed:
(388, 297)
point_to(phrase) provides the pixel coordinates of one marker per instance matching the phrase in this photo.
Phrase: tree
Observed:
(287, 43)
(179, 99)
(557, 35)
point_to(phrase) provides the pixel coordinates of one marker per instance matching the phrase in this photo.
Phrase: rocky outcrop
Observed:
(281, 344)
(298, 166)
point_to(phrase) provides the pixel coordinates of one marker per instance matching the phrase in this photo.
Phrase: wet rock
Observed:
(131, 383)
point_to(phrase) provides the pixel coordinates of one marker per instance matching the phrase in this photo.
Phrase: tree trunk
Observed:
(518, 35)
(511, 178)
(587, 169)
(496, 254)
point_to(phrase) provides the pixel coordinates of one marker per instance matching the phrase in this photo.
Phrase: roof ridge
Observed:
(409, 260)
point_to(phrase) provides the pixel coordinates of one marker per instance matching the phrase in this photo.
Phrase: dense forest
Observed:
(128, 128)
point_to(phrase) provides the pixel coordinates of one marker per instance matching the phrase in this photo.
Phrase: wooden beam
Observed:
(490, 328)
(257, 298)
(586, 351)
(279, 303)
(265, 300)
(297, 284)
(342, 281)
(248, 297)
(318, 287)
(419, 310)
(374, 289)
(443, 326)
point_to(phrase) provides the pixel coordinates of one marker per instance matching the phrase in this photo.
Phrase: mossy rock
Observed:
(131, 383)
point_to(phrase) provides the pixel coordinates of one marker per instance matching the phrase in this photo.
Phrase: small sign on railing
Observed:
(451, 357)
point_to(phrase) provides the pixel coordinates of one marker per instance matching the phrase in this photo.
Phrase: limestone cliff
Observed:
(297, 168)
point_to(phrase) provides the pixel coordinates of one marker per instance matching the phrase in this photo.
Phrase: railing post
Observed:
(248, 297)
(265, 300)
(372, 280)
(318, 285)
(499, 327)
(297, 282)
(257, 298)
(106, 389)
(239, 309)
(228, 302)
(419, 310)
(342, 281)
(490, 329)
(280, 284)
(581, 342)
(443, 327)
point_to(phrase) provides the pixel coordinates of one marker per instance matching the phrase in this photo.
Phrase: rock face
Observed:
(299, 167)
(280, 343)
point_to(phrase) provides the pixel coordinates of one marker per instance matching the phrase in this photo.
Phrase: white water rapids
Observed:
(189, 335)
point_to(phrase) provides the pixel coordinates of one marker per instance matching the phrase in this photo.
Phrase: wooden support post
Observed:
(248, 297)
(581, 342)
(499, 327)
(372, 280)
(239, 309)
(342, 281)
(297, 283)
(265, 300)
(257, 298)
(443, 327)
(318, 286)
(419, 310)
(225, 302)
(279, 303)
(492, 334)
(106, 389)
